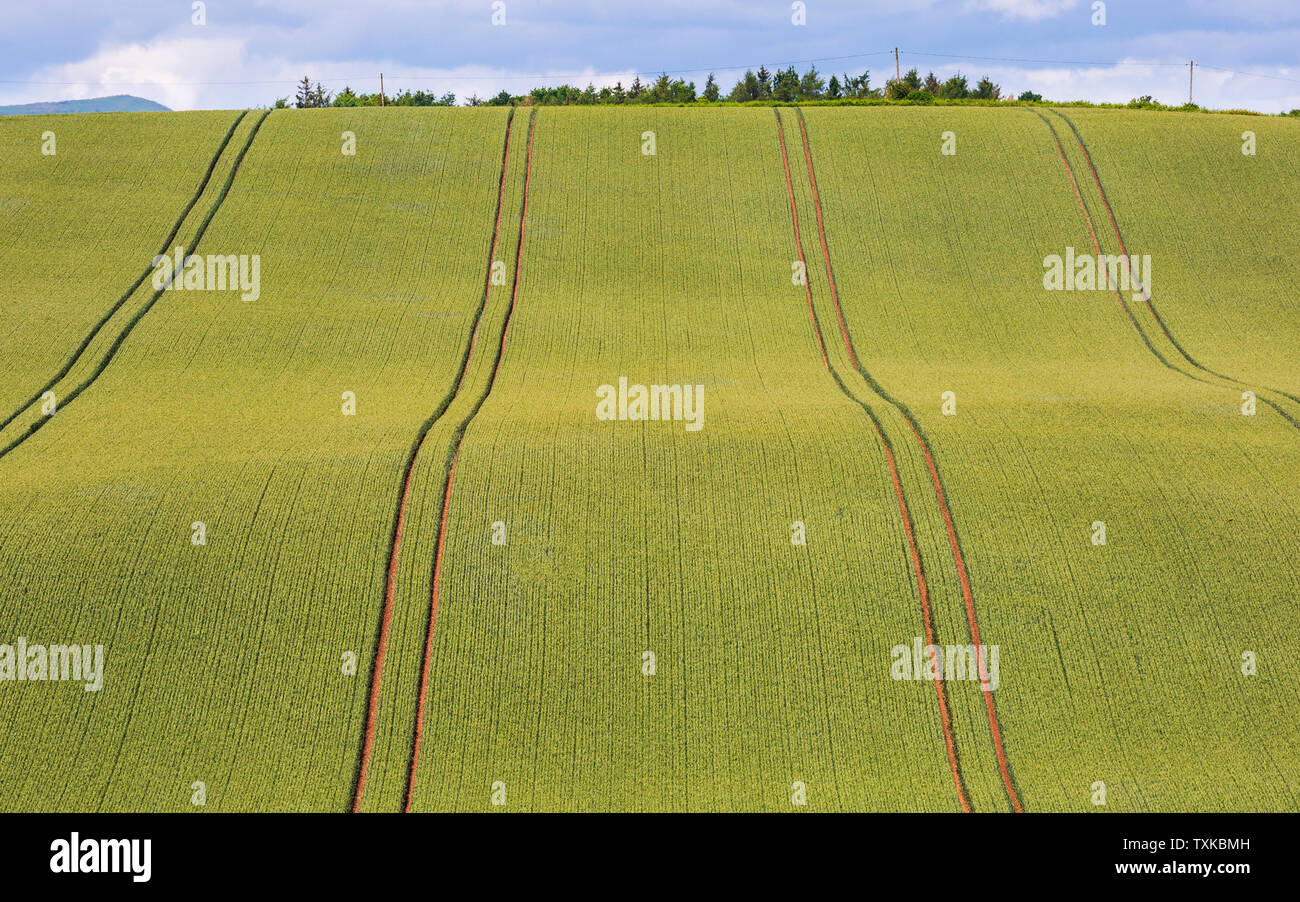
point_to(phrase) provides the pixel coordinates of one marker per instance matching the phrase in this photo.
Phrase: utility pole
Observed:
(1191, 69)
(381, 89)
(897, 75)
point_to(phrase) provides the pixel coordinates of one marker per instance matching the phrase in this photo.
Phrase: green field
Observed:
(625, 617)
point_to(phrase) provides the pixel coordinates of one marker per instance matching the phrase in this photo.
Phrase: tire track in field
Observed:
(1147, 298)
(453, 455)
(914, 553)
(940, 494)
(131, 324)
(1096, 247)
(166, 246)
(1143, 290)
(399, 516)
(1119, 297)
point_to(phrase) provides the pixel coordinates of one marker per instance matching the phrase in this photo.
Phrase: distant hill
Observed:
(118, 103)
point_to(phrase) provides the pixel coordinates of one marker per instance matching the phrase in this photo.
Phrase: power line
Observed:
(484, 77)
(1250, 74)
(1104, 63)
(544, 77)
(580, 75)
(1017, 59)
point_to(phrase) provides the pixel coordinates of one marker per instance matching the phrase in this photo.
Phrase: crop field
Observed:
(635, 459)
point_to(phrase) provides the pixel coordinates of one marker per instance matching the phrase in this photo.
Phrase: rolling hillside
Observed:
(368, 540)
(117, 103)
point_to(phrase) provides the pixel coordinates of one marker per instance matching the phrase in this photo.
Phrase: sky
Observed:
(247, 53)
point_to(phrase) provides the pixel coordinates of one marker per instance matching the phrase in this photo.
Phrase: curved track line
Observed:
(166, 247)
(1096, 249)
(1146, 293)
(428, 636)
(1092, 233)
(798, 244)
(1087, 218)
(958, 559)
(399, 520)
(451, 475)
(135, 320)
(914, 553)
(821, 233)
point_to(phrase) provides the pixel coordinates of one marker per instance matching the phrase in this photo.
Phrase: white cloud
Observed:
(232, 66)
(222, 71)
(167, 69)
(1124, 81)
(1029, 10)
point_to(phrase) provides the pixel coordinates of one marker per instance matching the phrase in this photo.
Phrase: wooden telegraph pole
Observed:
(1191, 69)
(381, 89)
(897, 75)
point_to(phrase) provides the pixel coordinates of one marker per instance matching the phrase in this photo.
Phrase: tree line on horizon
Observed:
(311, 96)
(783, 86)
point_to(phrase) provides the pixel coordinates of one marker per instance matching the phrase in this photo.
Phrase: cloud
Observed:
(1028, 10)
(1126, 80)
(167, 69)
(223, 71)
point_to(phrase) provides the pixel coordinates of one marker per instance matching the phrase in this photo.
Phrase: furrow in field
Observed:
(936, 482)
(1096, 249)
(1277, 399)
(35, 419)
(1148, 334)
(377, 668)
(80, 224)
(224, 658)
(931, 468)
(1120, 653)
(904, 513)
(457, 439)
(165, 249)
(1224, 280)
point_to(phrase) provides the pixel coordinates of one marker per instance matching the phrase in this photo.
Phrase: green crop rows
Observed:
(626, 617)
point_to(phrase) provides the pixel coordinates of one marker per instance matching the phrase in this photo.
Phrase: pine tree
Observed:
(954, 88)
(303, 98)
(811, 85)
(662, 92)
(985, 89)
(785, 87)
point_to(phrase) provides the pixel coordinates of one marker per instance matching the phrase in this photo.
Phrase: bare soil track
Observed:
(457, 439)
(914, 553)
(399, 516)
